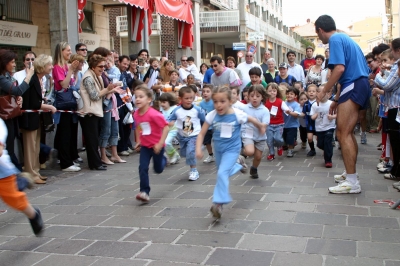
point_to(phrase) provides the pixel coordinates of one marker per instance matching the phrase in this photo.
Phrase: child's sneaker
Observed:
(363, 138)
(280, 151)
(311, 153)
(328, 165)
(385, 170)
(382, 164)
(389, 176)
(216, 210)
(346, 187)
(271, 157)
(143, 197)
(37, 222)
(242, 162)
(253, 172)
(340, 178)
(194, 175)
(396, 185)
(209, 159)
(175, 158)
(290, 153)
(304, 145)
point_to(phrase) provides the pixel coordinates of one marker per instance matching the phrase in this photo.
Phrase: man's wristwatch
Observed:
(336, 101)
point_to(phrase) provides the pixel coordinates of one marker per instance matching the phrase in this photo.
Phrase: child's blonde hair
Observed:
(222, 89)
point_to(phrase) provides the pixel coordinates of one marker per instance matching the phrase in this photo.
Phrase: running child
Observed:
(226, 122)
(168, 103)
(291, 119)
(303, 125)
(245, 95)
(188, 118)
(312, 97)
(8, 186)
(207, 105)
(325, 125)
(255, 77)
(299, 86)
(276, 107)
(254, 140)
(151, 132)
(235, 92)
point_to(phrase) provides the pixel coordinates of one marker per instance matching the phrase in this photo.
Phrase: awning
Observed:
(177, 9)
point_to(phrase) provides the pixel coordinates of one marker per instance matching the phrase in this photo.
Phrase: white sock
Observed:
(352, 178)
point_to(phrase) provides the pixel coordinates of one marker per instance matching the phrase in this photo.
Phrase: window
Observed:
(87, 23)
(16, 10)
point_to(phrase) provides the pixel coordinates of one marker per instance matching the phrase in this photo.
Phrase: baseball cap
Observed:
(283, 65)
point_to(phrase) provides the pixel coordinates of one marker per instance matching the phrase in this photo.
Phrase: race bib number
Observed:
(274, 110)
(146, 129)
(226, 130)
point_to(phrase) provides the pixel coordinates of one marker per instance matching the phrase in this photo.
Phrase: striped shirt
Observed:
(391, 86)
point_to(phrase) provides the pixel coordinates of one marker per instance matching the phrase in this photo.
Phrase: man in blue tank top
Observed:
(350, 70)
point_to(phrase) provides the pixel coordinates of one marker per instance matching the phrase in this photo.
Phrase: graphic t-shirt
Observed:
(187, 121)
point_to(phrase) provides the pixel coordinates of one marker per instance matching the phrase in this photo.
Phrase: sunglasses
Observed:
(369, 62)
(183, 60)
(102, 66)
(214, 66)
(83, 49)
(30, 59)
(249, 56)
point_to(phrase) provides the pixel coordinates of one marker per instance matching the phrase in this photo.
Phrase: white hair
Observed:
(271, 60)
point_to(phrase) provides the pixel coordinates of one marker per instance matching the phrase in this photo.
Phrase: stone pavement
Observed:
(287, 217)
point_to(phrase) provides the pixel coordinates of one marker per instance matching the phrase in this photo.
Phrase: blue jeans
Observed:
(108, 131)
(188, 149)
(227, 167)
(324, 142)
(274, 137)
(159, 162)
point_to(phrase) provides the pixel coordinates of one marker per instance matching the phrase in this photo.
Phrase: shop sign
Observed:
(12, 33)
(92, 41)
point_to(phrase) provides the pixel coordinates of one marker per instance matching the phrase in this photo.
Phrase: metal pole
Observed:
(146, 32)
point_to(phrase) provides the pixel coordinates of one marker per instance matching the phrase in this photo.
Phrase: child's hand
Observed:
(199, 154)
(157, 148)
(137, 147)
(287, 112)
(262, 129)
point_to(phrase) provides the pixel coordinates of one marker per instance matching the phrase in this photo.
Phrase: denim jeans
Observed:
(324, 142)
(274, 137)
(159, 162)
(108, 131)
(188, 149)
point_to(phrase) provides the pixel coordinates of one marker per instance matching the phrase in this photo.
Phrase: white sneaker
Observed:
(346, 187)
(175, 158)
(340, 178)
(72, 168)
(194, 175)
(242, 162)
(382, 164)
(209, 159)
(79, 160)
(290, 153)
(124, 153)
(76, 164)
(396, 185)
(130, 151)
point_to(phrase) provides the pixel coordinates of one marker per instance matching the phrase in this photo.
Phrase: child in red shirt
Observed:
(151, 132)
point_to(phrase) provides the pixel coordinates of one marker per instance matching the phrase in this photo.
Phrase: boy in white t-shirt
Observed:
(325, 125)
(235, 94)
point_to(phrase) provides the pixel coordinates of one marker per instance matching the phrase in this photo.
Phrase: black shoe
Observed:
(37, 222)
(311, 153)
(100, 168)
(253, 173)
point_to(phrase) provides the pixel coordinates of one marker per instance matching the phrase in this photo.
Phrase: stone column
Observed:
(242, 22)
(196, 51)
(63, 17)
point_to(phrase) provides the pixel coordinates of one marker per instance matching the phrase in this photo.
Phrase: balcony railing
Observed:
(122, 23)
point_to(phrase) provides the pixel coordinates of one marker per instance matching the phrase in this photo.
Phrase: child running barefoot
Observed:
(325, 125)
(276, 107)
(8, 186)
(151, 132)
(188, 118)
(253, 139)
(303, 126)
(226, 122)
(207, 105)
(168, 103)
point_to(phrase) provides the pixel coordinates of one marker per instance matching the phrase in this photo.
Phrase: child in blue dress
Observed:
(226, 122)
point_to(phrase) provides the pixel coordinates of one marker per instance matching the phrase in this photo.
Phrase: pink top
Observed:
(59, 74)
(150, 126)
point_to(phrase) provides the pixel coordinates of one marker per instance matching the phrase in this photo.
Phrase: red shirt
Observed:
(308, 63)
(150, 126)
(278, 118)
(243, 101)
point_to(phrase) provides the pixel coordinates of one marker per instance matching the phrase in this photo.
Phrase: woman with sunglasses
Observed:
(29, 58)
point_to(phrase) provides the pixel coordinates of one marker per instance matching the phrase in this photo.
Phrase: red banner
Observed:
(81, 15)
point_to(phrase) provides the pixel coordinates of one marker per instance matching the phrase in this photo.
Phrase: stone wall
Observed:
(115, 40)
(101, 24)
(168, 37)
(40, 17)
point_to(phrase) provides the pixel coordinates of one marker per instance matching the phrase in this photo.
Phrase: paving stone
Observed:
(164, 263)
(138, 211)
(184, 212)
(246, 196)
(15, 258)
(127, 221)
(384, 211)
(241, 226)
(119, 262)
(331, 199)
(62, 232)
(258, 183)
(101, 201)
(377, 222)
(45, 200)
(154, 235)
(24, 243)
(210, 238)
(67, 260)
(273, 216)
(16, 230)
(195, 195)
(103, 233)
(271, 197)
(188, 223)
(99, 210)
(279, 190)
(331, 247)
(4, 239)
(289, 229)
(342, 209)
(113, 249)
(285, 259)
(385, 235)
(83, 219)
(63, 209)
(378, 250)
(286, 206)
(392, 263)
(235, 213)
(292, 184)
(275, 243)
(64, 246)
(174, 203)
(250, 204)
(179, 253)
(346, 233)
(70, 201)
(320, 218)
(310, 191)
(230, 257)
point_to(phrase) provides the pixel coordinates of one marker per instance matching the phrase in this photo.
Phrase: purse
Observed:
(128, 119)
(65, 100)
(9, 107)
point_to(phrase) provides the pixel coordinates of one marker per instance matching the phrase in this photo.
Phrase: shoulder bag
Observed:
(9, 107)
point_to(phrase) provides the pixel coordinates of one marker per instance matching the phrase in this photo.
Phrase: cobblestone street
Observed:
(286, 217)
